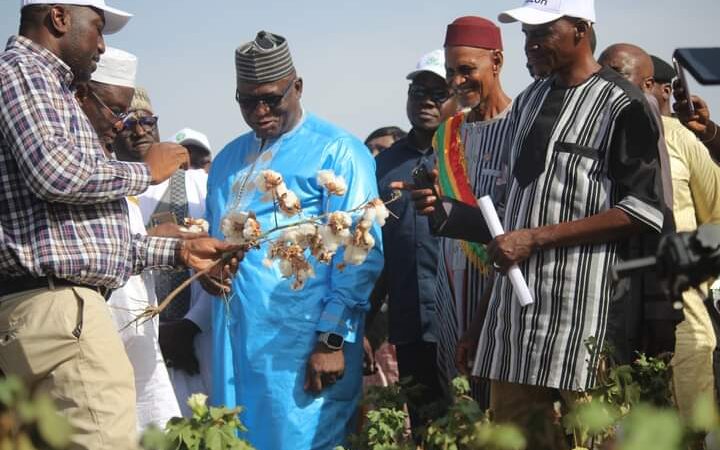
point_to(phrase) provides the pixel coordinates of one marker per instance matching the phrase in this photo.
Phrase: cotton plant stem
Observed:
(153, 311)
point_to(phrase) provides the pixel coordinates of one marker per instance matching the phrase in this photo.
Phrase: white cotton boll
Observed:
(339, 221)
(286, 268)
(196, 225)
(252, 230)
(291, 235)
(335, 185)
(330, 240)
(324, 177)
(307, 229)
(340, 187)
(365, 224)
(260, 183)
(382, 213)
(232, 226)
(369, 214)
(270, 180)
(368, 240)
(290, 204)
(355, 255)
(281, 190)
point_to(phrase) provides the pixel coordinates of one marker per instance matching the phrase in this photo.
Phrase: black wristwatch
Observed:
(331, 340)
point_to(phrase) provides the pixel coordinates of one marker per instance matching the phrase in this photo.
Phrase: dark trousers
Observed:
(419, 361)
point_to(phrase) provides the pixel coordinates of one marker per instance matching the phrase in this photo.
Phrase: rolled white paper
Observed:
(522, 292)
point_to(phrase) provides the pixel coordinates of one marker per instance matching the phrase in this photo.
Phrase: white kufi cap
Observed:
(536, 12)
(116, 67)
(115, 19)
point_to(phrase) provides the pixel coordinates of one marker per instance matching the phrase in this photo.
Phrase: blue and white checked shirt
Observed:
(62, 207)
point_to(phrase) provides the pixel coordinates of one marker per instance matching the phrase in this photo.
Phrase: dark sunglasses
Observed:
(438, 96)
(249, 103)
(133, 121)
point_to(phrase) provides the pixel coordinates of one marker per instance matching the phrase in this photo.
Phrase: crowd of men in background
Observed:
(99, 220)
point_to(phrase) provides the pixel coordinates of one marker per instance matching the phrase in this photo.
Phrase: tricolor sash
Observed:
(454, 181)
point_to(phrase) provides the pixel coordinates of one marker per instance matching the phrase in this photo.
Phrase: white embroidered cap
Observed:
(116, 67)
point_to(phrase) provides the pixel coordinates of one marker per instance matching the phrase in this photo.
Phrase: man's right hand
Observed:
(164, 159)
(424, 199)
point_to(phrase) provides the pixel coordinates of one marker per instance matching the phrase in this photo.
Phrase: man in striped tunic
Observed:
(470, 165)
(585, 178)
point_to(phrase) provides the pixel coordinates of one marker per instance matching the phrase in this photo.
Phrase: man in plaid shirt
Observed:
(64, 231)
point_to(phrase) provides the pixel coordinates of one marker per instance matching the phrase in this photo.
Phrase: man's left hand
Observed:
(201, 253)
(512, 248)
(324, 368)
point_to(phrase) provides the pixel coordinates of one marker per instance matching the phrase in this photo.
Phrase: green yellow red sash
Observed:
(454, 181)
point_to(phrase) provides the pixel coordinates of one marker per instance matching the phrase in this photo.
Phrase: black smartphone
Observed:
(422, 180)
(683, 82)
(702, 63)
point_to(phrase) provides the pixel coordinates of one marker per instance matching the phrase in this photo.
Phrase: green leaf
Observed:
(53, 428)
(213, 439)
(705, 414)
(651, 428)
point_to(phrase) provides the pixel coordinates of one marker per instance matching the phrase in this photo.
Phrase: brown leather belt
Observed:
(9, 286)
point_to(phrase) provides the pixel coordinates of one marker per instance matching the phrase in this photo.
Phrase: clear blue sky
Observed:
(353, 55)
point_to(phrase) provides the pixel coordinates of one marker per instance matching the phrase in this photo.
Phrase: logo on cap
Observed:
(554, 4)
(179, 137)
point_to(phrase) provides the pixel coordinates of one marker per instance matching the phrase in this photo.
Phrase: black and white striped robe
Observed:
(459, 283)
(602, 154)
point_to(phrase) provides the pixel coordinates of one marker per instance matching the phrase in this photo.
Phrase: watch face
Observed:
(334, 340)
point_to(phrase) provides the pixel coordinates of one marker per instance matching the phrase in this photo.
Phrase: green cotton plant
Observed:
(30, 421)
(209, 428)
(467, 427)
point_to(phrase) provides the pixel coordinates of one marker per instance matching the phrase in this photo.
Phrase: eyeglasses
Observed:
(438, 96)
(119, 119)
(249, 103)
(132, 121)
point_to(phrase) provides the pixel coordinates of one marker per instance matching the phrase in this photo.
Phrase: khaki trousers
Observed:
(532, 410)
(64, 342)
(692, 363)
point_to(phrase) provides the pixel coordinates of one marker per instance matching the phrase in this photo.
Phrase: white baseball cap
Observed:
(536, 12)
(115, 19)
(430, 62)
(190, 136)
(116, 67)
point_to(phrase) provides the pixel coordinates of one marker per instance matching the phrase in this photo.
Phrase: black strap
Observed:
(530, 163)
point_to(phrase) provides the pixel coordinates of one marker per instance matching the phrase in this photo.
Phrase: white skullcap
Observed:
(117, 68)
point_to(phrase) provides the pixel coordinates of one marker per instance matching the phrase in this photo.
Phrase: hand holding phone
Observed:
(422, 181)
(682, 79)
